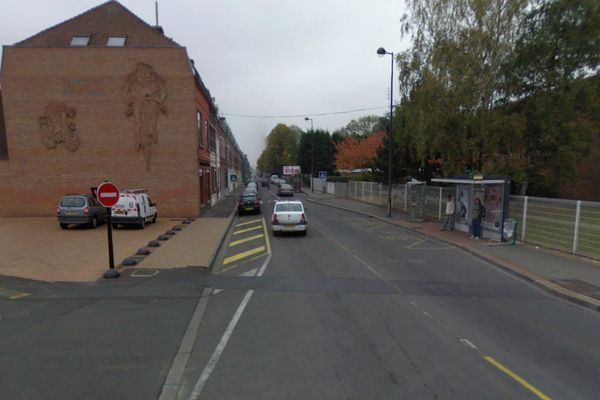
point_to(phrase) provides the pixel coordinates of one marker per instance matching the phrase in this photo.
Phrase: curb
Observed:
(213, 256)
(542, 283)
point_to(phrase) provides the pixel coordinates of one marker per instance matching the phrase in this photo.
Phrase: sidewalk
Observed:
(571, 277)
(197, 243)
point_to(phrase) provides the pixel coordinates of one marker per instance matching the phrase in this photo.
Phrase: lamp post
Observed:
(312, 153)
(381, 52)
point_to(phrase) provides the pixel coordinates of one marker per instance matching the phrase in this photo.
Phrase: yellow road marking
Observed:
(235, 243)
(247, 230)
(12, 294)
(267, 237)
(517, 378)
(366, 264)
(248, 223)
(410, 246)
(244, 254)
(229, 268)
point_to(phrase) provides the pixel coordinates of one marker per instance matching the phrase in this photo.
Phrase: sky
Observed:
(263, 57)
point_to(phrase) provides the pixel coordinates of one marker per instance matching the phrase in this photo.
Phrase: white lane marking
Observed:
(274, 195)
(217, 291)
(252, 272)
(214, 359)
(144, 274)
(468, 343)
(216, 355)
(426, 313)
(175, 376)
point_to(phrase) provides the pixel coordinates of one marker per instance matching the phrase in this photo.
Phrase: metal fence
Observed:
(567, 225)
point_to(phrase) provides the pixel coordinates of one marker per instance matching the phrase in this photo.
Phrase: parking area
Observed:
(37, 248)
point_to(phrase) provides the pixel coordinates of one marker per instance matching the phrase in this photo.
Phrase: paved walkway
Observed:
(197, 243)
(571, 277)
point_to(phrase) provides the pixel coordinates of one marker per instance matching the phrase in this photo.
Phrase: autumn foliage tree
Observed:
(356, 152)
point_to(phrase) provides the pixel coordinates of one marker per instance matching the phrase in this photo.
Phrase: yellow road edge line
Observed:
(246, 230)
(244, 254)
(229, 268)
(517, 378)
(266, 236)
(11, 294)
(366, 264)
(248, 223)
(235, 243)
(410, 246)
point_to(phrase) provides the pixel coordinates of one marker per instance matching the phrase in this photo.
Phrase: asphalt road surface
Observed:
(357, 309)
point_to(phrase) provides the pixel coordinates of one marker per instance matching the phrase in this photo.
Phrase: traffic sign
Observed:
(233, 178)
(108, 194)
(323, 174)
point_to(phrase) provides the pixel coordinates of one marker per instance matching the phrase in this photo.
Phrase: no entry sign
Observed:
(108, 194)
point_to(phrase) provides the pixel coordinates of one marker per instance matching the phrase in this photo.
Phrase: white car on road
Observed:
(289, 216)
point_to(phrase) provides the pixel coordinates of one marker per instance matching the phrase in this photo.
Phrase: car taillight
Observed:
(58, 210)
(274, 220)
(302, 219)
(86, 211)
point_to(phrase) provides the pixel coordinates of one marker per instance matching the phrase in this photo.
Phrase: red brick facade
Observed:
(92, 81)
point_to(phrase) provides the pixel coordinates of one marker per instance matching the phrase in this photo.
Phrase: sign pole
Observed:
(108, 195)
(112, 272)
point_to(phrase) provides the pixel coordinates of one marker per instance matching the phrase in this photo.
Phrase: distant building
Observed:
(105, 96)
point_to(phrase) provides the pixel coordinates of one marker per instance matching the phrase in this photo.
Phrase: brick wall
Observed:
(92, 81)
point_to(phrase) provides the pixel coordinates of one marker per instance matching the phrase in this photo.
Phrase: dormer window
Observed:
(116, 41)
(80, 40)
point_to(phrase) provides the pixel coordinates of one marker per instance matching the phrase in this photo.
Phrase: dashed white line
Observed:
(468, 343)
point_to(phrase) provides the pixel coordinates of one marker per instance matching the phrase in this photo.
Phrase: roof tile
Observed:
(107, 19)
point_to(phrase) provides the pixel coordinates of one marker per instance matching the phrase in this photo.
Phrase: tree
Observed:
(557, 51)
(362, 126)
(281, 149)
(355, 153)
(323, 152)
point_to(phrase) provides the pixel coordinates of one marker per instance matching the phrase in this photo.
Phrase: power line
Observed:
(303, 115)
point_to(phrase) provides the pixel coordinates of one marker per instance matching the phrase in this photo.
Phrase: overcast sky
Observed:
(262, 57)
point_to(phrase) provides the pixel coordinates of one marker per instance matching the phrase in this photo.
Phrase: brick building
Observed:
(105, 96)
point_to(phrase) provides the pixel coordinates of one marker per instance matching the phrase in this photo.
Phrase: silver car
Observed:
(80, 209)
(285, 190)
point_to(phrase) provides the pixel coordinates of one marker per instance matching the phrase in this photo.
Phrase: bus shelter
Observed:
(494, 194)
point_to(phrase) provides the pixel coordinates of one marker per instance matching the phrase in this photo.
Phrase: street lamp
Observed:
(312, 153)
(381, 52)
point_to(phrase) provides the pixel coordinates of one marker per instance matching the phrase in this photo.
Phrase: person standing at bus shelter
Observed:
(449, 220)
(478, 215)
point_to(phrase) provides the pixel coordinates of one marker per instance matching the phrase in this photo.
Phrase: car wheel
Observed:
(115, 226)
(275, 233)
(304, 233)
(143, 223)
(64, 226)
(154, 219)
(94, 223)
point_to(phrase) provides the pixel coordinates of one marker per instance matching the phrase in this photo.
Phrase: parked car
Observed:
(289, 216)
(285, 190)
(80, 209)
(249, 203)
(274, 179)
(134, 208)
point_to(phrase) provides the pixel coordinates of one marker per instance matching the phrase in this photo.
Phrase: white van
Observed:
(133, 208)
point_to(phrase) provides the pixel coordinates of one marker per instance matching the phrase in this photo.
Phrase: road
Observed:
(356, 309)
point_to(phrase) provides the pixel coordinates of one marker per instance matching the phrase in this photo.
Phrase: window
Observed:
(116, 41)
(212, 144)
(80, 40)
(200, 131)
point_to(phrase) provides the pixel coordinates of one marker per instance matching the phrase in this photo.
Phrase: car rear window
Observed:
(288, 207)
(249, 198)
(286, 186)
(72, 202)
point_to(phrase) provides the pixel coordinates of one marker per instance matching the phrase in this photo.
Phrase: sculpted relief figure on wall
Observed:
(145, 94)
(57, 126)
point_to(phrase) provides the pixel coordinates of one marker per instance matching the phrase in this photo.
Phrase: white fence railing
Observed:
(568, 225)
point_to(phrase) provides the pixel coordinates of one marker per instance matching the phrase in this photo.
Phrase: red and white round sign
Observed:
(108, 194)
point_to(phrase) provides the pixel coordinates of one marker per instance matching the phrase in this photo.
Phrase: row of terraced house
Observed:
(106, 96)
